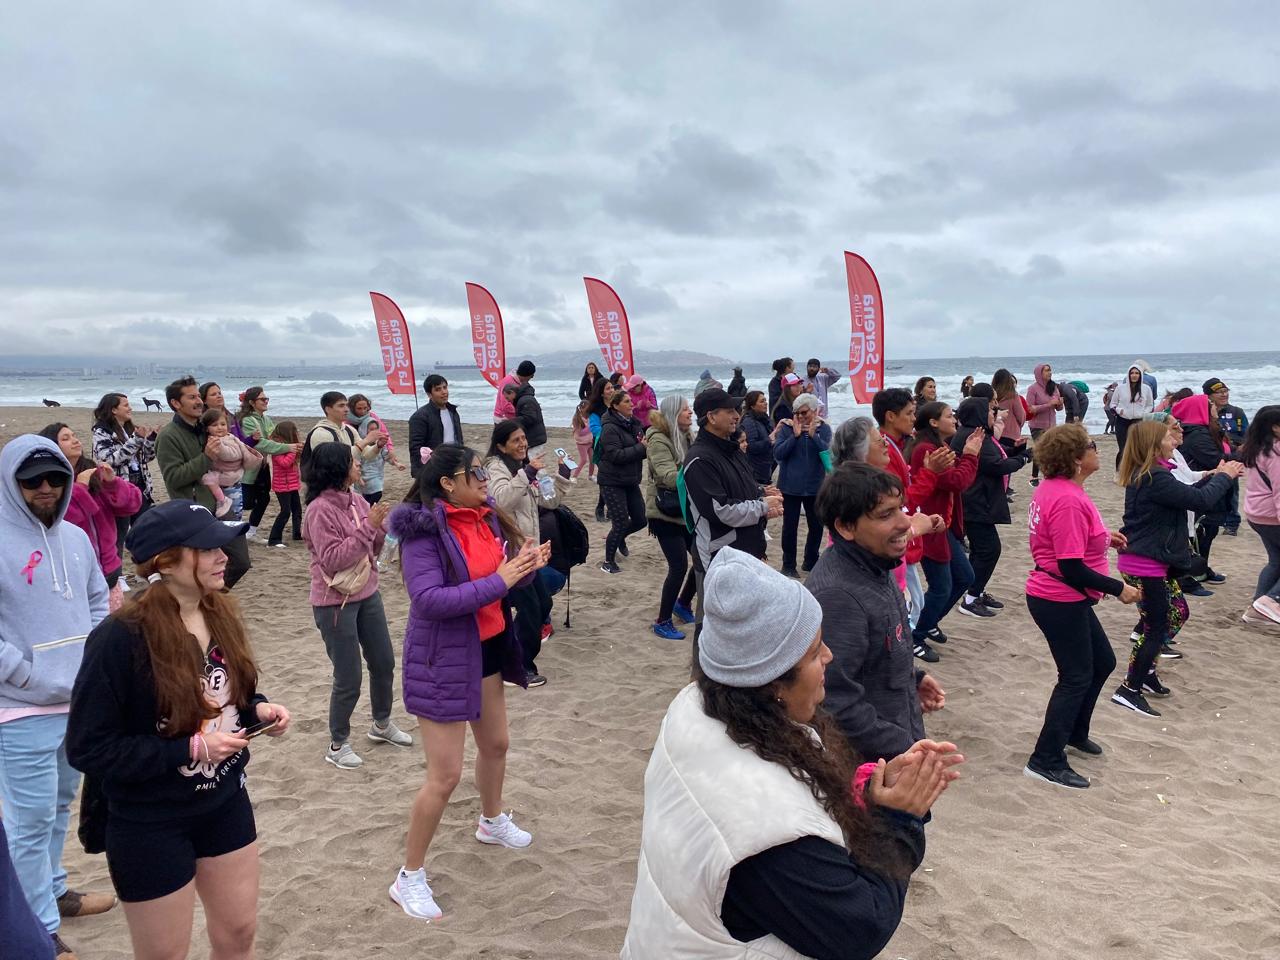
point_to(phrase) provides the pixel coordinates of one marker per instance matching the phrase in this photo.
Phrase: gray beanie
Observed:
(757, 624)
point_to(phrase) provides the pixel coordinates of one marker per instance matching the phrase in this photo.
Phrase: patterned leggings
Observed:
(1175, 612)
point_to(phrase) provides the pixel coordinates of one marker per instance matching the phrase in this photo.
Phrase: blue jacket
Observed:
(759, 446)
(800, 468)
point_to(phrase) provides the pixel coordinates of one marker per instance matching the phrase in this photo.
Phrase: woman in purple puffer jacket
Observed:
(460, 556)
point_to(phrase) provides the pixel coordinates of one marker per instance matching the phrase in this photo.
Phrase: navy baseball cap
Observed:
(179, 523)
(40, 461)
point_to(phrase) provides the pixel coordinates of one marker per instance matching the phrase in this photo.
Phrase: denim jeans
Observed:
(915, 593)
(37, 786)
(947, 581)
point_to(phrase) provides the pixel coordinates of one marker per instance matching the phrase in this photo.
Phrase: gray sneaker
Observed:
(344, 758)
(390, 734)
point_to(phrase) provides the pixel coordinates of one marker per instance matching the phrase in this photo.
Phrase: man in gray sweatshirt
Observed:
(52, 593)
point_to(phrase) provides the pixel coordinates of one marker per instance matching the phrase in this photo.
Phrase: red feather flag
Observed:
(487, 340)
(866, 340)
(393, 338)
(613, 330)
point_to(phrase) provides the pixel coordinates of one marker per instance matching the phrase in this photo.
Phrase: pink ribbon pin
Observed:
(33, 561)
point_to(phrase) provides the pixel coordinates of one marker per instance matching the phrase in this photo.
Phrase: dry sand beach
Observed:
(1171, 855)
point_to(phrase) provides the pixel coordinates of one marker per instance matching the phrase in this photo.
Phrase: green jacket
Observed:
(663, 470)
(180, 453)
(261, 423)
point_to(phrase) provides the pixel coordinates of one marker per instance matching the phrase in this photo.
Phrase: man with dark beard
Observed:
(54, 595)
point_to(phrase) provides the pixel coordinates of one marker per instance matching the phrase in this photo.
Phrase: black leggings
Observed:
(290, 506)
(1036, 434)
(675, 541)
(1122, 434)
(984, 554)
(626, 513)
(1206, 533)
(791, 504)
(1084, 659)
(1155, 615)
(257, 495)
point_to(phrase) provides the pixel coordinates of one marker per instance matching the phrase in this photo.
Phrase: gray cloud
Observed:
(1002, 167)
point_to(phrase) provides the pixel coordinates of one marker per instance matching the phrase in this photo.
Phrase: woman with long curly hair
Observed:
(162, 711)
(752, 835)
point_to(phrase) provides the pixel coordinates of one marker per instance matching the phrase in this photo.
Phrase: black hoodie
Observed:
(984, 500)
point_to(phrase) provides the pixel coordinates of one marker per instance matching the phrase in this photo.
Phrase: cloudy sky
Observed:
(231, 179)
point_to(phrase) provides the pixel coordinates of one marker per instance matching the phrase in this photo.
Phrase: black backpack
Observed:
(575, 546)
(304, 458)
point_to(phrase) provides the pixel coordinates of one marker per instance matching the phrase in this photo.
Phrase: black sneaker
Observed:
(536, 679)
(1168, 653)
(1231, 531)
(1213, 576)
(610, 567)
(975, 609)
(925, 652)
(1065, 777)
(1035, 481)
(1152, 687)
(622, 549)
(791, 572)
(1197, 591)
(1133, 700)
(936, 635)
(989, 601)
(1087, 747)
(600, 517)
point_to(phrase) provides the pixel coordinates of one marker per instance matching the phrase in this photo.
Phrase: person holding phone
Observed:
(164, 695)
(461, 556)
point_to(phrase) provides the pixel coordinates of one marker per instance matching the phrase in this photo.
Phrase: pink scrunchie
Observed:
(861, 778)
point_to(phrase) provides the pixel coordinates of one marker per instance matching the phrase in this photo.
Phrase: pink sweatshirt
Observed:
(95, 514)
(1262, 503)
(1044, 408)
(338, 535)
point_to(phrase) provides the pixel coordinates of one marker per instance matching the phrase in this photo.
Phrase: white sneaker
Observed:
(344, 758)
(390, 734)
(1268, 608)
(414, 895)
(251, 533)
(503, 831)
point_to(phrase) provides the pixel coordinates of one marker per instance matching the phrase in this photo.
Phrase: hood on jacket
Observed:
(525, 391)
(973, 412)
(705, 375)
(1193, 410)
(1038, 372)
(413, 521)
(12, 505)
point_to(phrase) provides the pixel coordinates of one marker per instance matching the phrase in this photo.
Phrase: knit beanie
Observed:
(757, 623)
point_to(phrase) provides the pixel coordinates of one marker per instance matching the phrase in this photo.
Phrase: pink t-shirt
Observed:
(1063, 524)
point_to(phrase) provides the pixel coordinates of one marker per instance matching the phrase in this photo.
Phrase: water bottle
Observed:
(390, 551)
(547, 487)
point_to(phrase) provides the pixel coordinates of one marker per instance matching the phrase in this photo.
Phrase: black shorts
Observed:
(152, 860)
(492, 652)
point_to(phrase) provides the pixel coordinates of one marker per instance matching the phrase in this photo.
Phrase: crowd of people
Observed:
(816, 668)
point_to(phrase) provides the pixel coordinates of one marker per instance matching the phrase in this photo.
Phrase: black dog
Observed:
(147, 404)
(51, 403)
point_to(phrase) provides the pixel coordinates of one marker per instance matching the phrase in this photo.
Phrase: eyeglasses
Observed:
(56, 480)
(480, 473)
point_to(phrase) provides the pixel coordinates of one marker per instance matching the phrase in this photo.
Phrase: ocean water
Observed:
(1254, 379)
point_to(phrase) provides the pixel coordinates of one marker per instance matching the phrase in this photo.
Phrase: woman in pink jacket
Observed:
(1044, 400)
(98, 497)
(1261, 455)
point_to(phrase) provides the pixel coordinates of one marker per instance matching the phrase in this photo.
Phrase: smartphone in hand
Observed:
(259, 728)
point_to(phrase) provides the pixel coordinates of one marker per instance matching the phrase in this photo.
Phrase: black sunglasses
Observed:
(480, 473)
(56, 480)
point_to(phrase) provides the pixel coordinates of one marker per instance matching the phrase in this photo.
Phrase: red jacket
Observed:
(945, 499)
(917, 486)
(284, 472)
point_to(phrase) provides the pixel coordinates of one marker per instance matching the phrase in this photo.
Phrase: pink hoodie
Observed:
(1044, 408)
(95, 514)
(1262, 502)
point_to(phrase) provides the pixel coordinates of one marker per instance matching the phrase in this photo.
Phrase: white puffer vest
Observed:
(708, 805)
